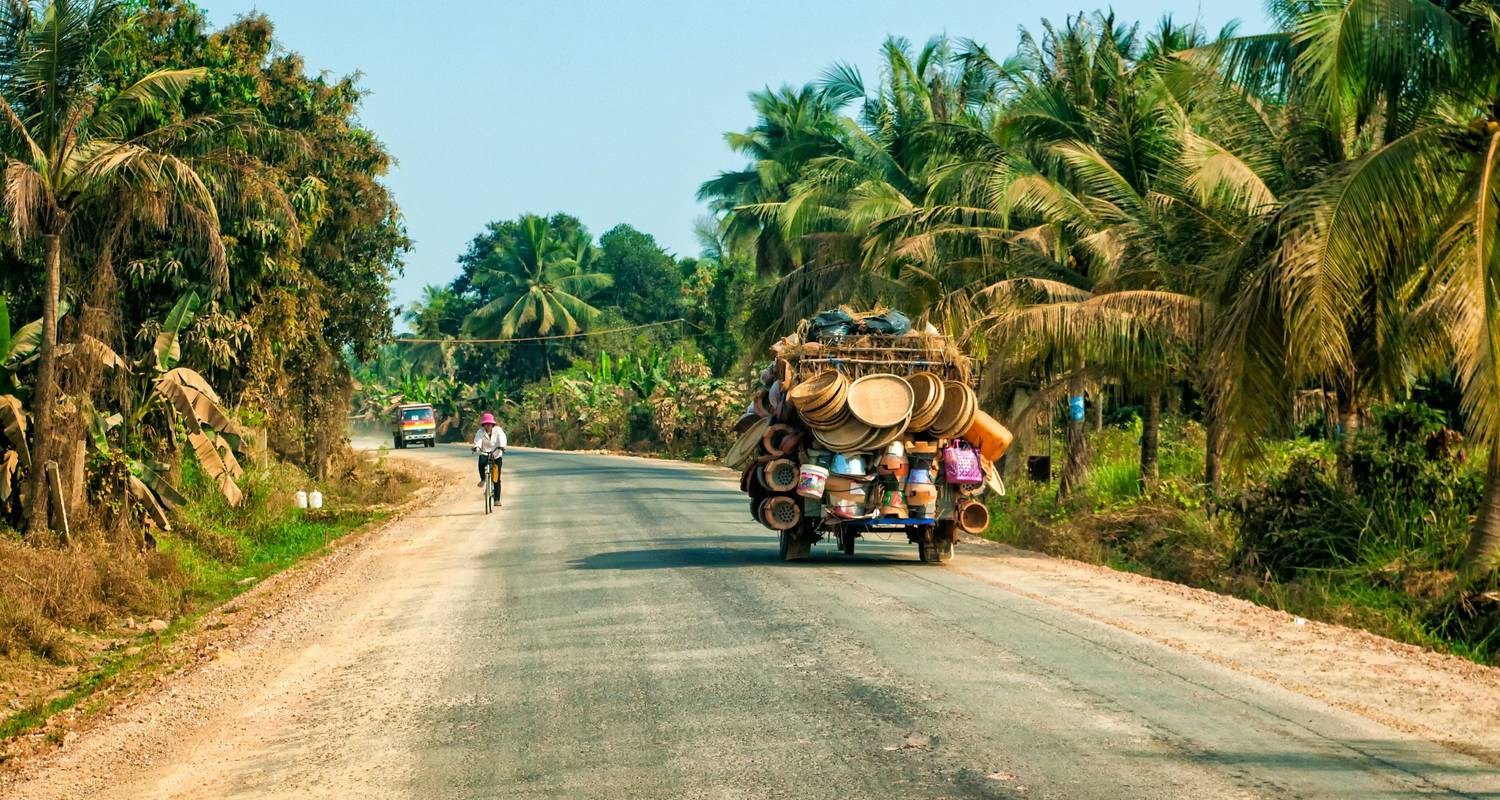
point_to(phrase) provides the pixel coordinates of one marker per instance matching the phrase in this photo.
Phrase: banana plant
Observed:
(166, 351)
(16, 456)
(18, 347)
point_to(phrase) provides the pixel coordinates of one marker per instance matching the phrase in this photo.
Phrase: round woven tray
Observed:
(927, 398)
(957, 411)
(881, 400)
(845, 438)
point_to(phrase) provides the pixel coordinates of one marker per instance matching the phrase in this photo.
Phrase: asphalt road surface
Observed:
(620, 628)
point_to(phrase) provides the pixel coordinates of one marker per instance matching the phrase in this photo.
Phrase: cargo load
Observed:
(863, 425)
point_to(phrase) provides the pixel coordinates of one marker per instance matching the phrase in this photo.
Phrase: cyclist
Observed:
(489, 443)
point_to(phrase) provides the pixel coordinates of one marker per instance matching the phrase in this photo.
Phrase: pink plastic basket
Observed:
(961, 463)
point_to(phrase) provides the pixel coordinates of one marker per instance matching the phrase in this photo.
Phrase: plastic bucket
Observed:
(812, 481)
(848, 509)
(851, 464)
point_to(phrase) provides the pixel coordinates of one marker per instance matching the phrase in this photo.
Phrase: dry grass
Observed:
(46, 593)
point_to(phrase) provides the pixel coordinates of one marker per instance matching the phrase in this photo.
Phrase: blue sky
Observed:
(611, 111)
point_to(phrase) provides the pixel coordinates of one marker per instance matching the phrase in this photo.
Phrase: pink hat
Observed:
(487, 419)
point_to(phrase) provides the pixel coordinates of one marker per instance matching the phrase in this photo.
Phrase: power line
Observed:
(538, 338)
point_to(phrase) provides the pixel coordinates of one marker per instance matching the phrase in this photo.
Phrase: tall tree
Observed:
(80, 160)
(540, 283)
(646, 286)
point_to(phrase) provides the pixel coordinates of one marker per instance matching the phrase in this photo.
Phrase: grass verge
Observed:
(1380, 556)
(99, 615)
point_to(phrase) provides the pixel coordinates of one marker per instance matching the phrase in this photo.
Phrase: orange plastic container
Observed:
(987, 434)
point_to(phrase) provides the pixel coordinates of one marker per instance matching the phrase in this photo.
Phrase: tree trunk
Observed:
(1174, 400)
(1483, 553)
(43, 398)
(1150, 437)
(1349, 423)
(1096, 412)
(1213, 468)
(1078, 446)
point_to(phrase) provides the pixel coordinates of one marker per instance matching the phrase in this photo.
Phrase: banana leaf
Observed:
(24, 343)
(191, 377)
(10, 465)
(148, 500)
(226, 452)
(13, 422)
(213, 463)
(100, 425)
(184, 389)
(95, 350)
(167, 350)
(155, 478)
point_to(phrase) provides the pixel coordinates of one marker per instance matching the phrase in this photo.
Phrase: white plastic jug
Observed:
(315, 500)
(301, 499)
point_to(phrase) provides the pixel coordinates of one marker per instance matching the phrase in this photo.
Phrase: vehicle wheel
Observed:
(795, 544)
(432, 443)
(396, 442)
(936, 546)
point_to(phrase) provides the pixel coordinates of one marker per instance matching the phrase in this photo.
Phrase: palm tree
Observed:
(541, 285)
(430, 318)
(793, 127)
(77, 157)
(1410, 221)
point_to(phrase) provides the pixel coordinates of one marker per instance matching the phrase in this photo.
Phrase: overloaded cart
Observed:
(864, 426)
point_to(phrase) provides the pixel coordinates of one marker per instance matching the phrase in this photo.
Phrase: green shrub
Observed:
(1298, 520)
(1408, 505)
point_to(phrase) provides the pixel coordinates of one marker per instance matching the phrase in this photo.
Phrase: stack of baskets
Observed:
(861, 427)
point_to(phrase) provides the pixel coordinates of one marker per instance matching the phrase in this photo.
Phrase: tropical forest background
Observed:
(1267, 261)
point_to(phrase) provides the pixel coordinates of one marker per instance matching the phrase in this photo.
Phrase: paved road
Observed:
(620, 629)
(635, 636)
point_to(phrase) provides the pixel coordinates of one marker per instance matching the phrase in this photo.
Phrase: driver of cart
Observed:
(489, 443)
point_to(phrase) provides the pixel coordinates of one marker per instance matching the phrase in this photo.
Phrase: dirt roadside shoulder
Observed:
(215, 639)
(1438, 697)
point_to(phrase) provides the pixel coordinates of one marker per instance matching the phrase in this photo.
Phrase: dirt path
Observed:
(620, 629)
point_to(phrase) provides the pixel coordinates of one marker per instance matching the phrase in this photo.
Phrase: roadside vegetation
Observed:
(1269, 259)
(196, 242)
(615, 344)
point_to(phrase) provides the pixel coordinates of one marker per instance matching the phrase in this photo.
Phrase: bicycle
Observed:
(491, 484)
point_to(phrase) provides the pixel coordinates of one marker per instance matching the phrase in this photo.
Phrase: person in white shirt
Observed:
(489, 443)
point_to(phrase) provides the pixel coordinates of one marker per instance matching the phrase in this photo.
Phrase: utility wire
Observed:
(539, 338)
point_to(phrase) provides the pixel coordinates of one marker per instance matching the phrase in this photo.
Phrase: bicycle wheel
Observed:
(489, 498)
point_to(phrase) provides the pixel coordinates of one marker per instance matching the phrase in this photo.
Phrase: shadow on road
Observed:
(1359, 757)
(719, 557)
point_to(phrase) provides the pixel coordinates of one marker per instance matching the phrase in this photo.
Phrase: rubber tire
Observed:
(432, 443)
(794, 545)
(936, 546)
(400, 445)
